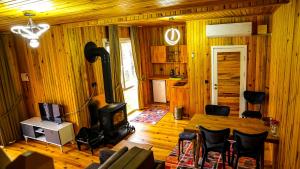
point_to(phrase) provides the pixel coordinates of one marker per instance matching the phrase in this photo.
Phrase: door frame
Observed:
(243, 72)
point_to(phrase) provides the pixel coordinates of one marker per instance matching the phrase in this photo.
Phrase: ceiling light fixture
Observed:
(172, 35)
(31, 31)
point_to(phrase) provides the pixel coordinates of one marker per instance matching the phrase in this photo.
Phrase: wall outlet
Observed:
(94, 84)
(24, 77)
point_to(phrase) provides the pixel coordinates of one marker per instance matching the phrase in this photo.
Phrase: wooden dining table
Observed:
(245, 125)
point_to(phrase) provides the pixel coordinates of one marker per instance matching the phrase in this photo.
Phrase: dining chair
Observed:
(254, 98)
(248, 145)
(217, 110)
(215, 140)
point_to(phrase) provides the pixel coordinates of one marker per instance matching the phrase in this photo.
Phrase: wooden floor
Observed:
(163, 136)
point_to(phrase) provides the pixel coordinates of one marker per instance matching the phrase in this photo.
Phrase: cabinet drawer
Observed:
(28, 130)
(52, 136)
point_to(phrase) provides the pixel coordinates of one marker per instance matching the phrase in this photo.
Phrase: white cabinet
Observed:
(49, 132)
(159, 91)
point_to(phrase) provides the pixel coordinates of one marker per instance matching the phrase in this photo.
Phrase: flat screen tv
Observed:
(51, 112)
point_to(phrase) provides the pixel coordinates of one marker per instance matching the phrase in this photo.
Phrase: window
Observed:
(128, 77)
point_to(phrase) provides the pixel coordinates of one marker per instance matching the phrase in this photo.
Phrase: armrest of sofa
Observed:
(135, 158)
(113, 158)
(105, 154)
(159, 164)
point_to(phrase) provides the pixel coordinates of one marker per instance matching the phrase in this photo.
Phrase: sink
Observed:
(180, 83)
(175, 78)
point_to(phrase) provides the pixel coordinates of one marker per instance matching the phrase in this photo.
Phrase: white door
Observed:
(159, 91)
(229, 65)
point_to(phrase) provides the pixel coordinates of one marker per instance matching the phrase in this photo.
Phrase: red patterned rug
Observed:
(151, 115)
(214, 160)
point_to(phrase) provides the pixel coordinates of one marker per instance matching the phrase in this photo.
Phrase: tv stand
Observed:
(49, 132)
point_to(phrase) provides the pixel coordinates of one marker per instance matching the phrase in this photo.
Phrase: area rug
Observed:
(151, 115)
(214, 160)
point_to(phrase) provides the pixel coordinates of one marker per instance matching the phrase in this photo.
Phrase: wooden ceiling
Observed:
(70, 11)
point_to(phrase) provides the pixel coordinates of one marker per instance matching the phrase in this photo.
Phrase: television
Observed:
(51, 112)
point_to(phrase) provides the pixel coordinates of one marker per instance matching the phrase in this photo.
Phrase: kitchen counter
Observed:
(170, 82)
(165, 77)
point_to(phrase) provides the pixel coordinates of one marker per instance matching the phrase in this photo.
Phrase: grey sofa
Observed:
(135, 158)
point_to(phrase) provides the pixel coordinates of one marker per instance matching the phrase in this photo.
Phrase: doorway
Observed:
(229, 65)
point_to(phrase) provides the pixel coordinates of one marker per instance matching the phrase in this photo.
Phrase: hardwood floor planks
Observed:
(163, 136)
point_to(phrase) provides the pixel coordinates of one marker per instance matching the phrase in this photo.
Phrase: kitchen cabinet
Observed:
(169, 54)
(158, 54)
(180, 96)
(170, 84)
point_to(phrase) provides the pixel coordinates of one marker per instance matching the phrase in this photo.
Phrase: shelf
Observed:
(40, 131)
(41, 138)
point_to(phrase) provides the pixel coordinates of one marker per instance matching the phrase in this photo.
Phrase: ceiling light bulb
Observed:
(34, 43)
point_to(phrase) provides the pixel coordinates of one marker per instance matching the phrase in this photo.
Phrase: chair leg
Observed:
(194, 150)
(232, 160)
(229, 155)
(92, 150)
(258, 162)
(179, 149)
(236, 162)
(79, 146)
(182, 146)
(204, 156)
(224, 159)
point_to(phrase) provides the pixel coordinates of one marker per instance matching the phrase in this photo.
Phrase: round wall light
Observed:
(172, 36)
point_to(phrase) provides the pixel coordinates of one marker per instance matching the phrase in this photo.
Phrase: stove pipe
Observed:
(91, 53)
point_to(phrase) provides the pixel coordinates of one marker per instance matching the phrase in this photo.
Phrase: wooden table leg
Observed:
(198, 143)
(262, 164)
(275, 155)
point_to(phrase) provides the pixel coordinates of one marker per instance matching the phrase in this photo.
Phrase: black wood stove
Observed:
(112, 117)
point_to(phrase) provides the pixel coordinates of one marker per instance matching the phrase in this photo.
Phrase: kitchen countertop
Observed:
(165, 77)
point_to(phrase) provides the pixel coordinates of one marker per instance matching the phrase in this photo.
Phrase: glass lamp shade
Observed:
(34, 43)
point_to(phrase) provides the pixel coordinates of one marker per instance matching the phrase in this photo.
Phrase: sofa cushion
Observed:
(4, 160)
(113, 158)
(135, 158)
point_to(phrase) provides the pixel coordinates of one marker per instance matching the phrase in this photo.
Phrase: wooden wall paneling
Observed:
(147, 69)
(12, 107)
(124, 32)
(199, 66)
(79, 67)
(59, 72)
(284, 82)
(9, 47)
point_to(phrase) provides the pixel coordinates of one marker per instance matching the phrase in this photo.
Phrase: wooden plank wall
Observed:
(147, 69)
(285, 82)
(12, 106)
(58, 71)
(199, 46)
